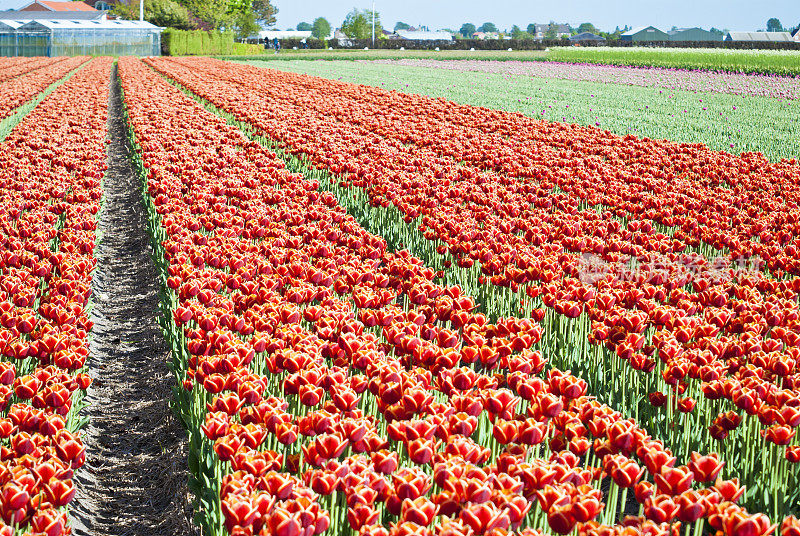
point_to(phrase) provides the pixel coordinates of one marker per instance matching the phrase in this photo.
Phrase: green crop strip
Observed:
(781, 62)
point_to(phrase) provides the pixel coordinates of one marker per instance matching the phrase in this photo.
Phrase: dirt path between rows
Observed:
(134, 480)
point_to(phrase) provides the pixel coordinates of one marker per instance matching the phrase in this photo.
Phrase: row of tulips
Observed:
(13, 67)
(331, 383)
(687, 344)
(52, 164)
(16, 91)
(674, 187)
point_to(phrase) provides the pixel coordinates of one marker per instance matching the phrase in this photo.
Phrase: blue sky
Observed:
(743, 15)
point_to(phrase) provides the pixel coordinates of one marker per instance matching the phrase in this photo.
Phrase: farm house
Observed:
(649, 33)
(62, 37)
(774, 37)
(693, 34)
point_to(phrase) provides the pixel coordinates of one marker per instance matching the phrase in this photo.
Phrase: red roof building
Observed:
(52, 5)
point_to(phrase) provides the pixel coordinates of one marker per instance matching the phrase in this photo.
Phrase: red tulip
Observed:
(660, 508)
(673, 481)
(705, 468)
(419, 511)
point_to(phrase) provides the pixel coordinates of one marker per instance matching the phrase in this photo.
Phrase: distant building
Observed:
(424, 35)
(693, 34)
(587, 37)
(772, 37)
(51, 5)
(54, 11)
(78, 37)
(53, 15)
(561, 30)
(485, 35)
(796, 34)
(643, 35)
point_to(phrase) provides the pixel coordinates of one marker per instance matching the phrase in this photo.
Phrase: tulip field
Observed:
(52, 165)
(715, 109)
(393, 314)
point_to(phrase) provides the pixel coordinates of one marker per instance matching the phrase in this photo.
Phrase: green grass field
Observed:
(781, 62)
(722, 121)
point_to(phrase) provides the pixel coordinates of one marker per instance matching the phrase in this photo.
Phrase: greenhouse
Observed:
(79, 38)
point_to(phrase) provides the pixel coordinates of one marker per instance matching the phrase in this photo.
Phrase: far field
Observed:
(780, 62)
(723, 121)
(783, 62)
(360, 54)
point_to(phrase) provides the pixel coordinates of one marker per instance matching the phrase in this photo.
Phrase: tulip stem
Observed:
(611, 507)
(698, 526)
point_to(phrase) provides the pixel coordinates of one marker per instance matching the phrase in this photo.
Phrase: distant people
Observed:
(266, 44)
(303, 43)
(276, 45)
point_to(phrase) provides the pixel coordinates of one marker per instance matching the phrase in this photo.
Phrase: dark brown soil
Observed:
(135, 478)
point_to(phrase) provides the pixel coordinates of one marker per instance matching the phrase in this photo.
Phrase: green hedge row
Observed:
(200, 43)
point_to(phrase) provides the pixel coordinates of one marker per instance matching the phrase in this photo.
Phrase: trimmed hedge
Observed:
(201, 43)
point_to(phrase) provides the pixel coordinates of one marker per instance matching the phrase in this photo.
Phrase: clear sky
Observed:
(744, 15)
(12, 4)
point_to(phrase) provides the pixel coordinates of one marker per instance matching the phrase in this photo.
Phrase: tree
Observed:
(321, 28)
(165, 13)
(401, 26)
(532, 29)
(716, 31)
(587, 27)
(467, 30)
(264, 12)
(774, 25)
(244, 24)
(304, 27)
(552, 32)
(244, 17)
(378, 26)
(214, 13)
(358, 24)
(517, 33)
(488, 27)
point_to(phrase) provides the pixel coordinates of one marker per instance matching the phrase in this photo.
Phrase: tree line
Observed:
(248, 17)
(243, 17)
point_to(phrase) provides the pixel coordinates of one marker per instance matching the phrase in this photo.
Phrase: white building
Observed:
(424, 35)
(775, 37)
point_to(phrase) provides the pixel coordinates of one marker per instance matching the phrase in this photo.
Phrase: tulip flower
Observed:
(674, 481)
(364, 348)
